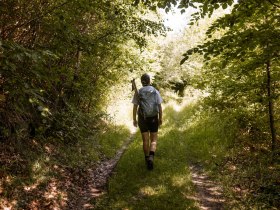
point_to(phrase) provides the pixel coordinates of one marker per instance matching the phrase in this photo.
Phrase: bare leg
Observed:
(152, 149)
(153, 137)
(146, 146)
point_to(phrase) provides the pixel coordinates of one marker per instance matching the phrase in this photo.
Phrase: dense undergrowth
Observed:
(237, 156)
(41, 173)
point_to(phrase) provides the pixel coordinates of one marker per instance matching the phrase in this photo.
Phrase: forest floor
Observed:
(208, 194)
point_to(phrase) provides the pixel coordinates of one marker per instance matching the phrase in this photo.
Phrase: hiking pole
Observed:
(134, 88)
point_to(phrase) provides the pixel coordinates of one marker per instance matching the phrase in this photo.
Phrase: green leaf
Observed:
(189, 52)
(184, 59)
(224, 6)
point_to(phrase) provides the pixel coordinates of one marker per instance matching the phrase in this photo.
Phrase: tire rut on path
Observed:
(209, 194)
(98, 178)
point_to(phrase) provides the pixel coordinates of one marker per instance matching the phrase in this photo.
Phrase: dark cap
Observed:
(145, 79)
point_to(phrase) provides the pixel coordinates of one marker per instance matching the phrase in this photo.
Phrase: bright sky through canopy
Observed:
(175, 20)
(178, 21)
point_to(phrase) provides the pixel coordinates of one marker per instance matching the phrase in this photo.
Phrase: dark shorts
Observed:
(148, 124)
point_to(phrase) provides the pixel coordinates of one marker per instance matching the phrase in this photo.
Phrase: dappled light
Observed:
(210, 193)
(55, 196)
(170, 174)
(179, 180)
(153, 191)
(68, 135)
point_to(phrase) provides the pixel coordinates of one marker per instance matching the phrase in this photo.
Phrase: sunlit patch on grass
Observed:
(177, 107)
(36, 166)
(180, 180)
(150, 191)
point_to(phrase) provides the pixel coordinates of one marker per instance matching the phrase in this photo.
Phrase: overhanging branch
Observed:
(36, 18)
(276, 5)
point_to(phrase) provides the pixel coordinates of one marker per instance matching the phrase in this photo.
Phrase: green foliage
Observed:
(173, 75)
(209, 137)
(241, 62)
(58, 60)
(237, 156)
(240, 77)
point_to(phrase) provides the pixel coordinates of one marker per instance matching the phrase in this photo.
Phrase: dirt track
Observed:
(209, 194)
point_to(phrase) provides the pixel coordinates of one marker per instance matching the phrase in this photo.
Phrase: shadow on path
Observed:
(209, 194)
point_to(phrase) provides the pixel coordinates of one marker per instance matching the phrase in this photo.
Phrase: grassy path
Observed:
(168, 186)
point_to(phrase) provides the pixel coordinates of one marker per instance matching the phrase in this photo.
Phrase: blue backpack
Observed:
(148, 101)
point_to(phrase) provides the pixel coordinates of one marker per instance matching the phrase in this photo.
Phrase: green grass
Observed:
(111, 140)
(187, 137)
(168, 186)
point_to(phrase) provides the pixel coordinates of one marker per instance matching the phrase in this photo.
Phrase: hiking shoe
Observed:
(150, 165)
(146, 160)
(151, 162)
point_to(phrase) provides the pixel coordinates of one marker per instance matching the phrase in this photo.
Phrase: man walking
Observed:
(147, 104)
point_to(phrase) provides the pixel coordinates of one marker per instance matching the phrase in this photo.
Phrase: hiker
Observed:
(147, 104)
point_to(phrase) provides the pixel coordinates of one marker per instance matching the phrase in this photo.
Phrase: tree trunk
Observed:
(270, 107)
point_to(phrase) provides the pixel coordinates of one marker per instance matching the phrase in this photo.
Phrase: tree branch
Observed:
(276, 5)
(36, 18)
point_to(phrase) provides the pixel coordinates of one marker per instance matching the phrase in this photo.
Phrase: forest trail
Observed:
(173, 184)
(65, 64)
(208, 193)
